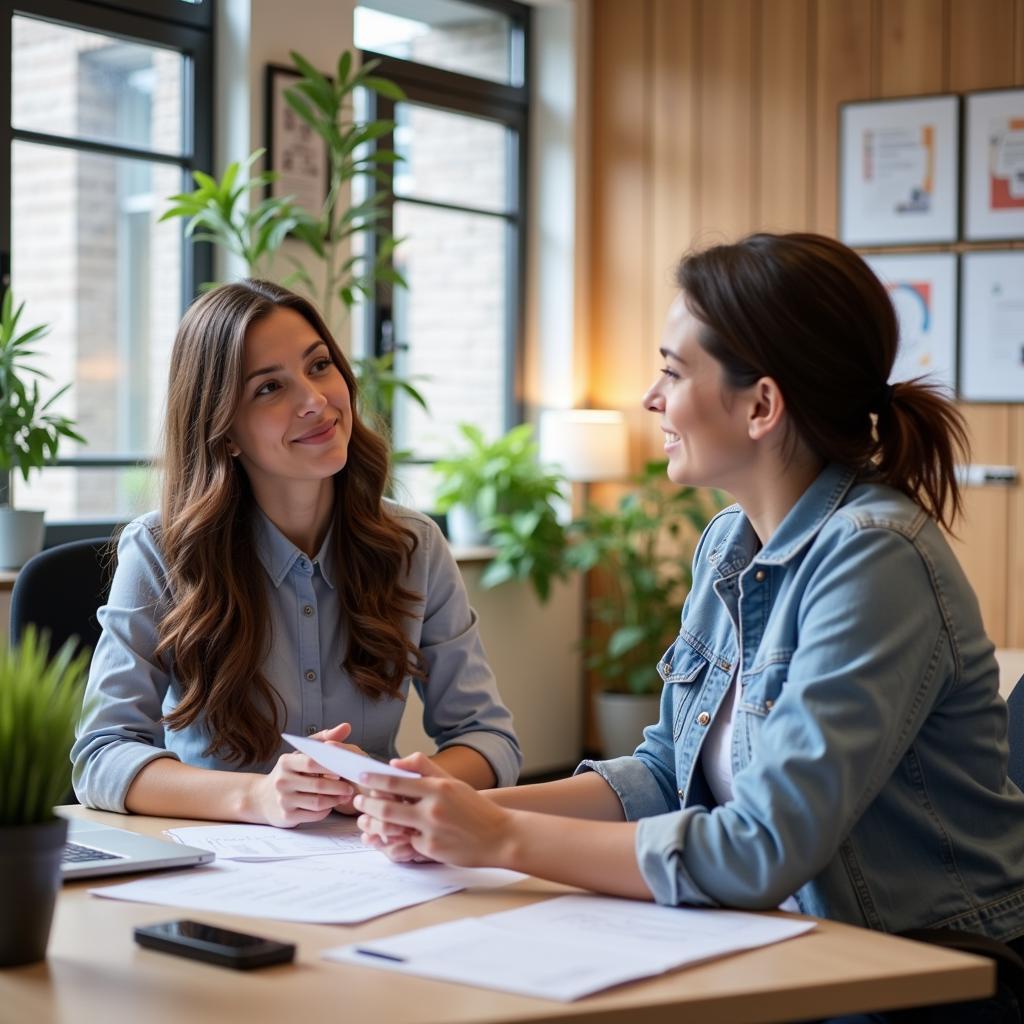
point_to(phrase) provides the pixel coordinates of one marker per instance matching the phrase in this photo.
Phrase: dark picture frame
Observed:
(294, 151)
(994, 165)
(899, 171)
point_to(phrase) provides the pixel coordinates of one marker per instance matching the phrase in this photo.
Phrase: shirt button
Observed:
(303, 564)
(703, 718)
(759, 575)
(680, 792)
(727, 665)
(310, 676)
(769, 704)
(307, 609)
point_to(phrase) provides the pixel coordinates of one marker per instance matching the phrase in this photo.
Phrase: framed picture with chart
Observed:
(899, 171)
(923, 289)
(994, 165)
(294, 151)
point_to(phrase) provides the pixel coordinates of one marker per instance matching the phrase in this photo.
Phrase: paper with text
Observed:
(346, 763)
(265, 842)
(571, 946)
(332, 889)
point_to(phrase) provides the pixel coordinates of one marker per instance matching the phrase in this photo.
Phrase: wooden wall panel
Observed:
(784, 198)
(982, 44)
(912, 51)
(621, 217)
(844, 72)
(725, 129)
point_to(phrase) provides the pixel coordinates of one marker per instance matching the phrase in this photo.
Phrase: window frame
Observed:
(506, 104)
(172, 24)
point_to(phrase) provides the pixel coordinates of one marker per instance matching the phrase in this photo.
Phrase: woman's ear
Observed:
(767, 408)
(233, 450)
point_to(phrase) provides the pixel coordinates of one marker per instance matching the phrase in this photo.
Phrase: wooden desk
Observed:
(96, 974)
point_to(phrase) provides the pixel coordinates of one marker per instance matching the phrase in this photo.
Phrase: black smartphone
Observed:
(214, 945)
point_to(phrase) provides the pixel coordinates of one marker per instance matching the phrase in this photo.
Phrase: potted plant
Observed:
(40, 700)
(30, 431)
(641, 550)
(497, 493)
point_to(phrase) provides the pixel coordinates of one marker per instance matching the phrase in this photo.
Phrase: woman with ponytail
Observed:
(831, 737)
(275, 591)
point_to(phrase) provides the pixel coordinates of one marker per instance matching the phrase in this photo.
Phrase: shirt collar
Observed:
(802, 522)
(279, 555)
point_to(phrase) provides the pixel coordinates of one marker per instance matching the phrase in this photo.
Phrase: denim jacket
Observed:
(869, 745)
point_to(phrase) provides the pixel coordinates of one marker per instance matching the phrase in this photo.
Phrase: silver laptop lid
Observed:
(95, 849)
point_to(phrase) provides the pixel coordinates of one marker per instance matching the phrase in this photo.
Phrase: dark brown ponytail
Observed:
(808, 312)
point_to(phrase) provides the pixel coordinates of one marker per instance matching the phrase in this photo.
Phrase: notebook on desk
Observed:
(92, 850)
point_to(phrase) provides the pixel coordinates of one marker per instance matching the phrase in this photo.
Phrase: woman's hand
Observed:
(299, 790)
(436, 817)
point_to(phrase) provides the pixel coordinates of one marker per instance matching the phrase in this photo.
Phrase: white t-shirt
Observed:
(716, 758)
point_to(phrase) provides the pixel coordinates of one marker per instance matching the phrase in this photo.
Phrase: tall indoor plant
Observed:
(641, 552)
(497, 493)
(228, 213)
(40, 699)
(30, 430)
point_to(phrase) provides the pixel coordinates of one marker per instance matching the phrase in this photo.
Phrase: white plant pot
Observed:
(621, 719)
(464, 528)
(21, 536)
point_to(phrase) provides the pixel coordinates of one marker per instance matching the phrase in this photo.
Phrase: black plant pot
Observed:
(29, 880)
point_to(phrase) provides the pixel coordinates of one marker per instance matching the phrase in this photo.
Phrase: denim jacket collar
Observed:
(801, 524)
(279, 555)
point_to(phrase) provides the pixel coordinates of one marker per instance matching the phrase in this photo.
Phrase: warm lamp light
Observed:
(586, 444)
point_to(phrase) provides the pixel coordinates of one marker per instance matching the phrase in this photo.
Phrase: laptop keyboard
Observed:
(75, 852)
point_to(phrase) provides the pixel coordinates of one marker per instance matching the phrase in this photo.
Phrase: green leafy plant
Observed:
(221, 211)
(40, 701)
(642, 550)
(516, 501)
(30, 429)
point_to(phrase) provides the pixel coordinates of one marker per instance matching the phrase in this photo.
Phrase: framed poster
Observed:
(992, 327)
(294, 151)
(899, 171)
(994, 165)
(923, 289)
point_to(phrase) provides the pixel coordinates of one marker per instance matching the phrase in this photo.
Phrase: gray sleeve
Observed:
(120, 730)
(461, 704)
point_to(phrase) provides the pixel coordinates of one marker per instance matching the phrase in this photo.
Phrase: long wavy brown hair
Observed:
(217, 631)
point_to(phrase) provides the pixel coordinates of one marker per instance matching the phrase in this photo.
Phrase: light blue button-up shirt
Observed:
(128, 692)
(869, 744)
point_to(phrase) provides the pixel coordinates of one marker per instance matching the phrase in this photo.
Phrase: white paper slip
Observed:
(345, 763)
(329, 889)
(265, 842)
(571, 946)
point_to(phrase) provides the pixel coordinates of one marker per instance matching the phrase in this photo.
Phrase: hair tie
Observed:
(884, 400)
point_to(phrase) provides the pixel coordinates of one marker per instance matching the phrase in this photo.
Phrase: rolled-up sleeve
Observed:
(461, 704)
(120, 729)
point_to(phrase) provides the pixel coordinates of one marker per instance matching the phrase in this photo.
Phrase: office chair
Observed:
(1015, 733)
(60, 590)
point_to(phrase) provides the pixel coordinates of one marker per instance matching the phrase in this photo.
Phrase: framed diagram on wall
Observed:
(923, 289)
(994, 165)
(992, 327)
(294, 151)
(899, 171)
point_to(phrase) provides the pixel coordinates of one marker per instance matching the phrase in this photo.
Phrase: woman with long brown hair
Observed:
(831, 737)
(275, 590)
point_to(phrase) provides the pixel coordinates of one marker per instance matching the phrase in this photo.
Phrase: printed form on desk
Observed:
(335, 834)
(331, 889)
(571, 946)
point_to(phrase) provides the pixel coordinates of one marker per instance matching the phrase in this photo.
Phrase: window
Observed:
(458, 207)
(109, 114)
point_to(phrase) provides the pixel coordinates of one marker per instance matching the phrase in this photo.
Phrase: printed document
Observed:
(570, 946)
(336, 834)
(332, 889)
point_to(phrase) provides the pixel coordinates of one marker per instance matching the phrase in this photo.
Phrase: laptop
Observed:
(93, 849)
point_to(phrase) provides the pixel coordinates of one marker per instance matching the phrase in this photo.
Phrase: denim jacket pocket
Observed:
(761, 689)
(685, 669)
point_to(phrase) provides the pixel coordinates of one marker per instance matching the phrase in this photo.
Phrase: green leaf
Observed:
(383, 86)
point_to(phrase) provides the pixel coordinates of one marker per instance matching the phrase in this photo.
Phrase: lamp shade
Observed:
(586, 444)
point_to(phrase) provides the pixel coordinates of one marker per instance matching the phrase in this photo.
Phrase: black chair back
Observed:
(1015, 733)
(61, 589)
